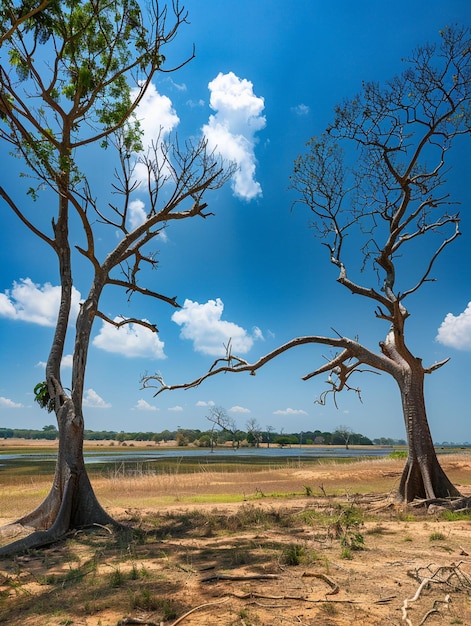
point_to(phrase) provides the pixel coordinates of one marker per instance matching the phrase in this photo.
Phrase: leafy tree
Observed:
(378, 174)
(71, 78)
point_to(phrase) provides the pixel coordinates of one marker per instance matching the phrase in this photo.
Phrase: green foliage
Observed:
(96, 50)
(42, 397)
(348, 528)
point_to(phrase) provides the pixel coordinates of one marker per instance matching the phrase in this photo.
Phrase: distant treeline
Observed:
(208, 438)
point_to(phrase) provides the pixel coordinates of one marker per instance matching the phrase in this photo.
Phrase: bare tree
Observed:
(254, 432)
(387, 188)
(74, 77)
(344, 433)
(269, 431)
(219, 417)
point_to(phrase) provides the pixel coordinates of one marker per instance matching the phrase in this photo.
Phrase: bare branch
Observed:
(351, 348)
(142, 290)
(127, 320)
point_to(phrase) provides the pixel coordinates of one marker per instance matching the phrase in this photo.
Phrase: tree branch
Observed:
(127, 320)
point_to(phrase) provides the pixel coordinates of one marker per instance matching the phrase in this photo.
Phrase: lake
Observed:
(154, 457)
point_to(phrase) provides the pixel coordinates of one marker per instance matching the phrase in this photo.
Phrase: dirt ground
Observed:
(280, 559)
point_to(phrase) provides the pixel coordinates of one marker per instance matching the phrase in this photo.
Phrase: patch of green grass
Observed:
(116, 578)
(437, 536)
(398, 454)
(346, 553)
(456, 516)
(293, 554)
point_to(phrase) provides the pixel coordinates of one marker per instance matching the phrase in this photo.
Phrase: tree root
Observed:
(450, 504)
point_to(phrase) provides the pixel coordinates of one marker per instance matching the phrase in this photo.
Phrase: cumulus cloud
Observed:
(239, 409)
(455, 330)
(142, 405)
(289, 411)
(176, 408)
(231, 130)
(202, 324)
(130, 340)
(35, 303)
(157, 118)
(203, 403)
(93, 401)
(137, 213)
(6, 403)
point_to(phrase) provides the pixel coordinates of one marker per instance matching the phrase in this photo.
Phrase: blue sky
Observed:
(266, 77)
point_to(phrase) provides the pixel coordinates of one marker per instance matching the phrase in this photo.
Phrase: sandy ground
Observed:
(284, 558)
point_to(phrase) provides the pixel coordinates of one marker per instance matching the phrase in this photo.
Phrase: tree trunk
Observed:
(423, 476)
(71, 502)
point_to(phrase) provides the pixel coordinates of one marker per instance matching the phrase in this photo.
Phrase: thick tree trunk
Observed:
(71, 502)
(423, 476)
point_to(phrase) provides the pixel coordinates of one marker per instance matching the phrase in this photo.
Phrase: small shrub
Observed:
(437, 536)
(346, 553)
(116, 578)
(293, 554)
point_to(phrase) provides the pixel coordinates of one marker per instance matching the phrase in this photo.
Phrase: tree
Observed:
(344, 433)
(254, 432)
(378, 175)
(72, 77)
(219, 417)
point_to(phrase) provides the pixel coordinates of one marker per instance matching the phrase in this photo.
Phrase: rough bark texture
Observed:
(423, 477)
(71, 502)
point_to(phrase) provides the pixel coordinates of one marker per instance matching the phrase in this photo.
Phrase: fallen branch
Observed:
(250, 595)
(334, 588)
(441, 575)
(217, 577)
(197, 608)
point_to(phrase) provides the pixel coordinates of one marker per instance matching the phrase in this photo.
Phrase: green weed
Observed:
(437, 536)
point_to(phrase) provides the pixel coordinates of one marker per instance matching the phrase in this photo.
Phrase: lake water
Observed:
(202, 454)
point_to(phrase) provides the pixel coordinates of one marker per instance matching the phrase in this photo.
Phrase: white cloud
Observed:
(137, 214)
(142, 405)
(67, 360)
(203, 403)
(455, 330)
(93, 401)
(239, 409)
(130, 340)
(195, 103)
(301, 109)
(289, 411)
(156, 115)
(9, 404)
(157, 118)
(176, 408)
(231, 130)
(202, 324)
(38, 304)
